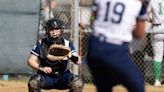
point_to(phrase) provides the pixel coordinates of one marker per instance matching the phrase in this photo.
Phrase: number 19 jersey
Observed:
(115, 19)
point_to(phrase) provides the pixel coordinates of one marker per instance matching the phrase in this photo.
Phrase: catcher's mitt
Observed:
(57, 52)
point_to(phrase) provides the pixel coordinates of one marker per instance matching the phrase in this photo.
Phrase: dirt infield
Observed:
(21, 86)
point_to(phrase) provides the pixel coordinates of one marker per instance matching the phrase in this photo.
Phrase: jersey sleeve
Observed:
(72, 47)
(36, 49)
(143, 13)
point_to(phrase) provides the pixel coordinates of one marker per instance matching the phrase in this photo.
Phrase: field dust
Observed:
(21, 86)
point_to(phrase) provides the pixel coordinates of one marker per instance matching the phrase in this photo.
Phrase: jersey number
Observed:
(118, 11)
(161, 8)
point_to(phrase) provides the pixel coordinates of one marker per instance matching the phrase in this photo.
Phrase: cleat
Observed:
(157, 83)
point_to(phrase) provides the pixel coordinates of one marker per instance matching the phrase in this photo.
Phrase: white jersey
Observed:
(157, 8)
(115, 19)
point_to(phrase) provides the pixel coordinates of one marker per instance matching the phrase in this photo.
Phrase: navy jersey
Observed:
(56, 66)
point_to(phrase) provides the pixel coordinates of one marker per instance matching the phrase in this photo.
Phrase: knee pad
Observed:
(34, 84)
(77, 84)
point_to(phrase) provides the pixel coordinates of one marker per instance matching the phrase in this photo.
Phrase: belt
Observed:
(103, 38)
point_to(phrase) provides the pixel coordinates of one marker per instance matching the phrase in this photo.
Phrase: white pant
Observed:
(158, 46)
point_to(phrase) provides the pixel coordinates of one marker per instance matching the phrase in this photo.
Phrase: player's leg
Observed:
(131, 77)
(48, 81)
(70, 81)
(103, 82)
(41, 81)
(34, 84)
(157, 44)
(110, 62)
(99, 69)
(124, 68)
(76, 84)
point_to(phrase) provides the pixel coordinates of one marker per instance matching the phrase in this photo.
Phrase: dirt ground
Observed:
(21, 86)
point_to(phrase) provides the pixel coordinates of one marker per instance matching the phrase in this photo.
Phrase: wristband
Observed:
(74, 59)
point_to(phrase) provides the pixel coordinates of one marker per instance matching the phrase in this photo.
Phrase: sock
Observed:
(157, 70)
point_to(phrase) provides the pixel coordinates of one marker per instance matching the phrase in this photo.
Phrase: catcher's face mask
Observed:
(54, 33)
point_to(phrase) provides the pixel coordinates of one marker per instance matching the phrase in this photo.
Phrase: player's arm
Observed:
(33, 62)
(139, 30)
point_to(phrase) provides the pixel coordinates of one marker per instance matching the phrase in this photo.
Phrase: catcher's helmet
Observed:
(54, 24)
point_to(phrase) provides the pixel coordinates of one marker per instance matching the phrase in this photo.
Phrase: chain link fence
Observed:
(140, 50)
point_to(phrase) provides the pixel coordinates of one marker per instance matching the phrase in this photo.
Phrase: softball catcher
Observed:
(50, 57)
(157, 10)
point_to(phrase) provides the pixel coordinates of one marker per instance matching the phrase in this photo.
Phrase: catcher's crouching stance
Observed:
(50, 57)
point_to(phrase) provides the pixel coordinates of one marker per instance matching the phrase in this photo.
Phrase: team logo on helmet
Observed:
(55, 24)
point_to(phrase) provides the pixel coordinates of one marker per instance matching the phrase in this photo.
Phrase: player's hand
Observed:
(46, 70)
